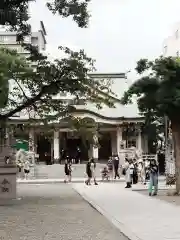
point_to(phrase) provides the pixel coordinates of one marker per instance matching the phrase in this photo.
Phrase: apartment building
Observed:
(171, 45)
(8, 39)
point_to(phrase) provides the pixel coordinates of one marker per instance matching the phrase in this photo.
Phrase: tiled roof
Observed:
(128, 111)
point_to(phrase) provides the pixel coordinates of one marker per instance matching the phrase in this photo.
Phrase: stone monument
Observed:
(8, 169)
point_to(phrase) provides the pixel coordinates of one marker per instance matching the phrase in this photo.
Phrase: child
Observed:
(26, 169)
(20, 167)
(105, 174)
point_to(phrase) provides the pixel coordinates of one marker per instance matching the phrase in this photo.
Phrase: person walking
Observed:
(153, 172)
(93, 169)
(90, 171)
(141, 171)
(116, 166)
(135, 172)
(19, 165)
(131, 171)
(127, 173)
(67, 171)
(146, 170)
(26, 169)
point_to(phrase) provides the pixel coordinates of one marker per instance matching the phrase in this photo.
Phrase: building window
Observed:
(27, 39)
(3, 39)
(177, 53)
(177, 34)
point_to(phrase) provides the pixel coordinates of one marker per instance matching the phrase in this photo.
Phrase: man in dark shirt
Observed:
(153, 172)
(116, 166)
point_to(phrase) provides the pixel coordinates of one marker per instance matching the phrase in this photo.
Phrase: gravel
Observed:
(53, 212)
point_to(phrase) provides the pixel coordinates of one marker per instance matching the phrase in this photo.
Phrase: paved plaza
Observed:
(55, 174)
(139, 216)
(56, 171)
(53, 212)
(76, 211)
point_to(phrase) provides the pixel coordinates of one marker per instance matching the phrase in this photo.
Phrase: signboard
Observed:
(5, 186)
(21, 144)
(170, 163)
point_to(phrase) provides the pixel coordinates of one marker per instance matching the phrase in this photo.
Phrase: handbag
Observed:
(124, 171)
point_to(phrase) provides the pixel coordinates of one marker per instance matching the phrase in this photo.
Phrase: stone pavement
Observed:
(56, 171)
(161, 186)
(61, 180)
(138, 216)
(53, 212)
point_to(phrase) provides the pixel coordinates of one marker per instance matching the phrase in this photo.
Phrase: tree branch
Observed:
(24, 93)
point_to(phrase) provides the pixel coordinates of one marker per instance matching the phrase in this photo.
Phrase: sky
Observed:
(120, 32)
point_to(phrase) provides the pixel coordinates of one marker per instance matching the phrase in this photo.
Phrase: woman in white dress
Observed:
(141, 171)
(127, 173)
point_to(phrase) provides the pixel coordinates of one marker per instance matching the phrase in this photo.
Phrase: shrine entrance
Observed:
(105, 146)
(74, 147)
(44, 149)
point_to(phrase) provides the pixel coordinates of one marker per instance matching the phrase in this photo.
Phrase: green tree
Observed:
(158, 94)
(36, 89)
(154, 128)
(14, 13)
(63, 75)
(10, 64)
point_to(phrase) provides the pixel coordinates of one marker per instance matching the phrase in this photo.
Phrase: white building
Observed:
(171, 45)
(8, 39)
(120, 127)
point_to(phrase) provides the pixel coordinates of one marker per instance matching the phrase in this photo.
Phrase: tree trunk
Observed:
(176, 138)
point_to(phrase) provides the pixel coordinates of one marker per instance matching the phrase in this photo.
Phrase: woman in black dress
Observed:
(67, 171)
(116, 166)
(88, 172)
